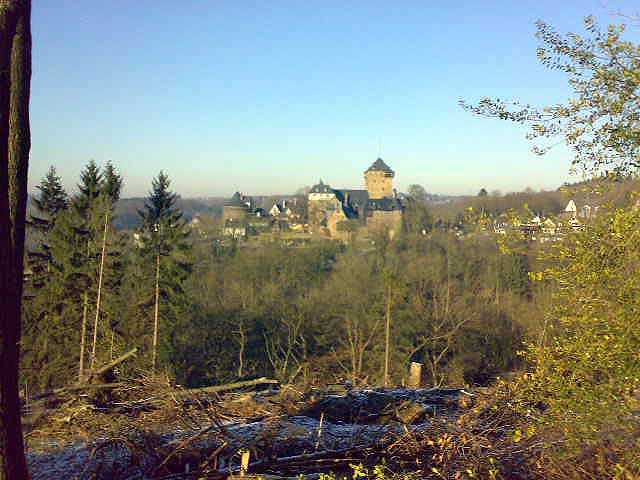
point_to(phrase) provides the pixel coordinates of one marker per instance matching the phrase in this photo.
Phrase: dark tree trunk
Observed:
(15, 79)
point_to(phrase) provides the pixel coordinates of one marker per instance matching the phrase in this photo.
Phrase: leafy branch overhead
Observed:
(600, 123)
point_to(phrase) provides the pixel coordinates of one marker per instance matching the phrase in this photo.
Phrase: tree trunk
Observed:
(100, 275)
(154, 350)
(387, 339)
(83, 335)
(15, 77)
(243, 341)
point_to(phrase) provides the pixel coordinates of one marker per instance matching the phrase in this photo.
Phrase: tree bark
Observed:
(387, 337)
(83, 335)
(15, 143)
(154, 350)
(100, 275)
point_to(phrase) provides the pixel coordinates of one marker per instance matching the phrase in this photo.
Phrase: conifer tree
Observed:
(52, 312)
(110, 187)
(163, 236)
(52, 197)
(40, 288)
(89, 187)
(111, 184)
(51, 200)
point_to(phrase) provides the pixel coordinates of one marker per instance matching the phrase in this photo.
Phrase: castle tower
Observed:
(236, 209)
(379, 180)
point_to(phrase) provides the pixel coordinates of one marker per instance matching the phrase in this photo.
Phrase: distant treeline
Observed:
(127, 218)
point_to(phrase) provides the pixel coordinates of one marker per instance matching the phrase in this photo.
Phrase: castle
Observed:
(331, 212)
(378, 207)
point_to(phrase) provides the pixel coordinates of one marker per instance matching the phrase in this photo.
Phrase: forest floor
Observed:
(280, 432)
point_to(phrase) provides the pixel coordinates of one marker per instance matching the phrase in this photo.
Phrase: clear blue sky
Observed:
(265, 97)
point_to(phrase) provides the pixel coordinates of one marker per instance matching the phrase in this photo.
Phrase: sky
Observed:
(267, 97)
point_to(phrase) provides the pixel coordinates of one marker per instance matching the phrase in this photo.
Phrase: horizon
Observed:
(231, 97)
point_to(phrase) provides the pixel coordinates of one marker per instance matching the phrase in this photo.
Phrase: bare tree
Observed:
(15, 143)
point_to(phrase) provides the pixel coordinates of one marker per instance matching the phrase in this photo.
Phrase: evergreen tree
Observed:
(52, 311)
(164, 238)
(111, 183)
(51, 200)
(89, 187)
(42, 282)
(110, 187)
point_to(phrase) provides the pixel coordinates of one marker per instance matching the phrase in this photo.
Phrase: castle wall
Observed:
(378, 220)
(321, 209)
(234, 213)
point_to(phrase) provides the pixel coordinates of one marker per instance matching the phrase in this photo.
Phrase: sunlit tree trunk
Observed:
(387, 339)
(98, 298)
(154, 350)
(15, 78)
(83, 335)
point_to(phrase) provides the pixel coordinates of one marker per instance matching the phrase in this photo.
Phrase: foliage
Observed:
(600, 123)
(163, 264)
(588, 372)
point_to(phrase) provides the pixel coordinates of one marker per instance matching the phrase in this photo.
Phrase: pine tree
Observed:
(48, 204)
(163, 237)
(52, 198)
(89, 187)
(40, 287)
(110, 188)
(111, 183)
(52, 312)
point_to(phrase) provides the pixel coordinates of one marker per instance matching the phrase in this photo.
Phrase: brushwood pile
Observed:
(279, 431)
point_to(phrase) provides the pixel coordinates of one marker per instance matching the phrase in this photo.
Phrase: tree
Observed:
(49, 203)
(589, 374)
(163, 234)
(586, 367)
(111, 184)
(600, 123)
(15, 143)
(88, 188)
(110, 187)
(483, 192)
(52, 198)
(417, 192)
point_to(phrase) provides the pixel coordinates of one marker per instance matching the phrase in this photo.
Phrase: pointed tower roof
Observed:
(379, 166)
(235, 201)
(321, 187)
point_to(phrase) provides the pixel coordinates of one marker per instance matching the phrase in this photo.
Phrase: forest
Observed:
(229, 311)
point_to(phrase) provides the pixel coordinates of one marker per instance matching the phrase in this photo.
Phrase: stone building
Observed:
(234, 215)
(377, 207)
(384, 209)
(236, 209)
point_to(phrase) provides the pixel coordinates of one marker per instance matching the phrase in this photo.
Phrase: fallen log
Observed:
(318, 461)
(114, 363)
(227, 387)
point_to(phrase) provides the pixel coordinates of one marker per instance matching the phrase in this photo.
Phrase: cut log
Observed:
(111, 365)
(227, 387)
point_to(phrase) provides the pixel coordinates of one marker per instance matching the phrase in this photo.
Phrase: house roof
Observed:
(354, 198)
(321, 187)
(385, 204)
(571, 206)
(379, 166)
